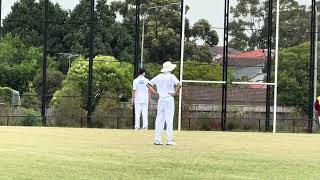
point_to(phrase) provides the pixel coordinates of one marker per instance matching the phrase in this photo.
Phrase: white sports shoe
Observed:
(137, 129)
(157, 143)
(171, 143)
(144, 128)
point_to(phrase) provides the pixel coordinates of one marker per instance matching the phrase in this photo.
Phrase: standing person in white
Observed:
(140, 99)
(167, 87)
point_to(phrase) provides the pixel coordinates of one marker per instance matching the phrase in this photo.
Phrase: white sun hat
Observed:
(168, 67)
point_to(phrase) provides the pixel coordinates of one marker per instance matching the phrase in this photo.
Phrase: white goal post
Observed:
(275, 84)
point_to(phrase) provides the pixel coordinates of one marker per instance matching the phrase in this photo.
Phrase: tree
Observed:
(202, 30)
(5, 95)
(193, 70)
(111, 38)
(25, 20)
(293, 75)
(162, 30)
(198, 53)
(295, 22)
(249, 25)
(69, 32)
(110, 77)
(19, 63)
(248, 16)
(54, 82)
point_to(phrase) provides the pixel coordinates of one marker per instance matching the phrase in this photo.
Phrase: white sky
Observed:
(208, 9)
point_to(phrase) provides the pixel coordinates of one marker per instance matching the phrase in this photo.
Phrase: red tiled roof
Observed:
(256, 54)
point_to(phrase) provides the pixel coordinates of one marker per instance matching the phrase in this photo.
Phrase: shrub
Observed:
(5, 95)
(30, 118)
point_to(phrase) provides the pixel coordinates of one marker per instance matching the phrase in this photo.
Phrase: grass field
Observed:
(61, 153)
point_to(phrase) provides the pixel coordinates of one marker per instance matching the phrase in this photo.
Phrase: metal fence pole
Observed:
(294, 125)
(44, 64)
(91, 56)
(0, 19)
(225, 67)
(117, 121)
(269, 66)
(312, 62)
(136, 51)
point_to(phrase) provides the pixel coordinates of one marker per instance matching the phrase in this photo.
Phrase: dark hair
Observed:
(141, 71)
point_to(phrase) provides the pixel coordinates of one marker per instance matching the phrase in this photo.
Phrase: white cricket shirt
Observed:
(165, 83)
(141, 89)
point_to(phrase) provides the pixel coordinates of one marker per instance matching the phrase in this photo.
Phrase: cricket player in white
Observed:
(167, 87)
(140, 99)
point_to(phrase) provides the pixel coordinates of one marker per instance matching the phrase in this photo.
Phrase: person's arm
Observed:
(149, 93)
(152, 83)
(133, 96)
(152, 89)
(133, 92)
(178, 87)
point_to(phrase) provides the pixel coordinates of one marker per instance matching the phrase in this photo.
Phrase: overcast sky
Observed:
(208, 9)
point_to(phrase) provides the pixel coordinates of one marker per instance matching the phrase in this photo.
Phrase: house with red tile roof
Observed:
(246, 65)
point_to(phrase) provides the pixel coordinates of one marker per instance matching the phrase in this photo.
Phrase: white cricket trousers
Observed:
(141, 108)
(165, 114)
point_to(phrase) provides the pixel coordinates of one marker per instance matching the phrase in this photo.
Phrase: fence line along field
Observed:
(62, 153)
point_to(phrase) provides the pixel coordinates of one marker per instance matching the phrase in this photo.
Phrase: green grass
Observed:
(61, 153)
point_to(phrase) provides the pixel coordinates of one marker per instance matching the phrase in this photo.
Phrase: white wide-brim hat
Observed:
(168, 67)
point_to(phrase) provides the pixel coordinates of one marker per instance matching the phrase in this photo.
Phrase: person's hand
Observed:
(173, 94)
(132, 101)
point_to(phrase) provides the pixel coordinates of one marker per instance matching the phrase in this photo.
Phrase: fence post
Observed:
(117, 125)
(81, 122)
(136, 49)
(294, 125)
(269, 65)
(90, 71)
(44, 64)
(259, 125)
(189, 123)
(8, 120)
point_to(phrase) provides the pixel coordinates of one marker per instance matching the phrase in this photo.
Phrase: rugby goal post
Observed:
(275, 84)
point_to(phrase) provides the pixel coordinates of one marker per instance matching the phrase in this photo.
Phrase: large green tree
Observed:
(249, 24)
(293, 75)
(110, 37)
(163, 29)
(69, 31)
(248, 16)
(193, 70)
(111, 77)
(25, 19)
(19, 63)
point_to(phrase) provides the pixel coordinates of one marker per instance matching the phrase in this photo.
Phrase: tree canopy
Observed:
(163, 31)
(249, 24)
(110, 77)
(19, 63)
(293, 75)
